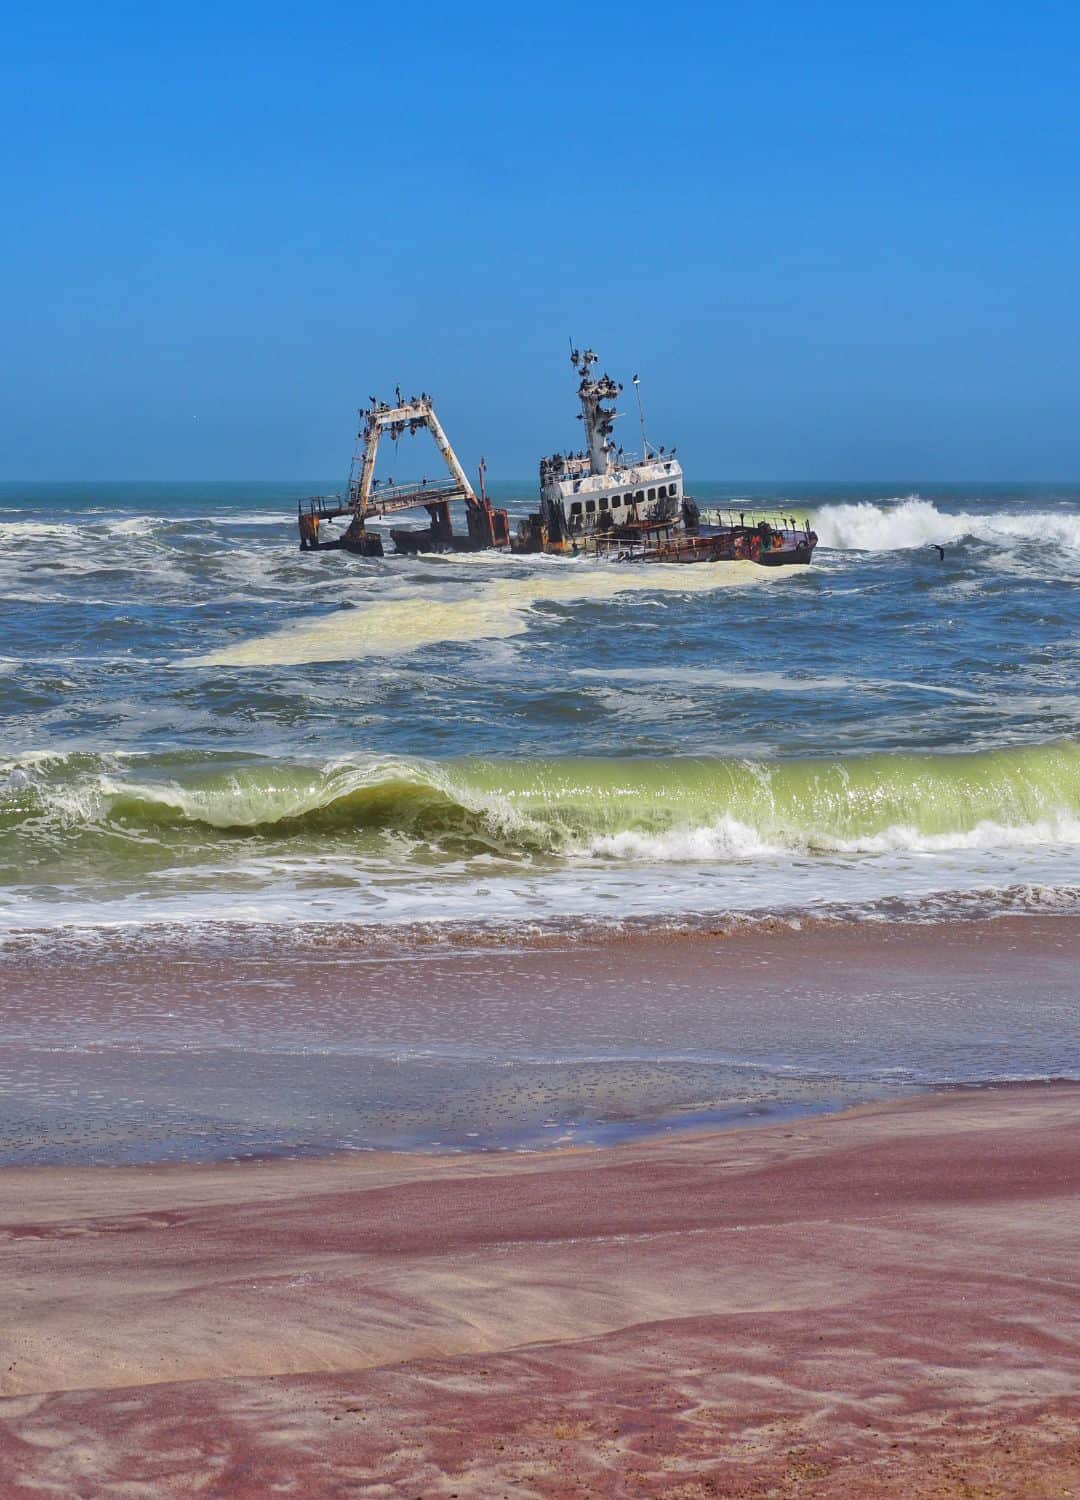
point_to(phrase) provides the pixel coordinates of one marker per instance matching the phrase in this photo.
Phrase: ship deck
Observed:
(390, 501)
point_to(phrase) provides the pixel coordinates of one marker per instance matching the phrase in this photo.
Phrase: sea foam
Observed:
(914, 522)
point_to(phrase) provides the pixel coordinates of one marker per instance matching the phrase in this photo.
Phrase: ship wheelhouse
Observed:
(647, 492)
(603, 488)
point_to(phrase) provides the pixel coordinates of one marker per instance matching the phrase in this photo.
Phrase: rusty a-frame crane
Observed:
(486, 527)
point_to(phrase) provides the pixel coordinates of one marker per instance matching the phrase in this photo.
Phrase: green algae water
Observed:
(141, 809)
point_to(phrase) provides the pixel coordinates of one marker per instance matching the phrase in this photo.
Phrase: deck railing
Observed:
(417, 492)
(385, 500)
(751, 516)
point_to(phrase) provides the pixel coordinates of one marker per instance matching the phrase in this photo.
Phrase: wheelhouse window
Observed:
(652, 494)
(575, 509)
(590, 507)
(639, 496)
(603, 502)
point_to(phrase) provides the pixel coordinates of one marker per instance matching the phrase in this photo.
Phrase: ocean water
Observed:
(310, 852)
(200, 723)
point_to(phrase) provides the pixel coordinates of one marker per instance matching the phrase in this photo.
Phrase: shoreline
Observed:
(407, 1160)
(874, 1302)
(1006, 908)
(253, 1048)
(639, 1135)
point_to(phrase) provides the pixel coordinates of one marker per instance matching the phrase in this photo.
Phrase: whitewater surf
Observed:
(412, 839)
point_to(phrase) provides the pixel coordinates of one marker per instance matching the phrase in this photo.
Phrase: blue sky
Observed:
(836, 240)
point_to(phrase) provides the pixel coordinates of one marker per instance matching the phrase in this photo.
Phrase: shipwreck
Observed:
(600, 500)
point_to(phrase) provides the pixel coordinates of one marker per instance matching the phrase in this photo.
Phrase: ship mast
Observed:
(598, 419)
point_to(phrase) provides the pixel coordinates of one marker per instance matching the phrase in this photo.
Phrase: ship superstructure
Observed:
(602, 488)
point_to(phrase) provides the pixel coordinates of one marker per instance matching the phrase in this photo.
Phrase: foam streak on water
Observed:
(493, 611)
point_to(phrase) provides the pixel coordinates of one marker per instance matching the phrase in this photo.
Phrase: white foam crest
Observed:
(59, 758)
(75, 805)
(499, 558)
(724, 839)
(727, 838)
(914, 522)
(240, 518)
(20, 530)
(1060, 830)
(133, 526)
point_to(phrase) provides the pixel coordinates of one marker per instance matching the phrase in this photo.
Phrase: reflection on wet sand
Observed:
(174, 1046)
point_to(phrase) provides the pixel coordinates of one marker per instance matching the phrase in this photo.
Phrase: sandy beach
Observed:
(879, 1302)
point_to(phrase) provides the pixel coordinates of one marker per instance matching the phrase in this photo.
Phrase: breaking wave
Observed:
(655, 811)
(914, 522)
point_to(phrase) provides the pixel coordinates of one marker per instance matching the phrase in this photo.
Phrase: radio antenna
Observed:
(641, 417)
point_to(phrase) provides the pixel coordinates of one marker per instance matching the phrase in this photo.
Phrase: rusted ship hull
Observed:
(685, 553)
(767, 544)
(801, 553)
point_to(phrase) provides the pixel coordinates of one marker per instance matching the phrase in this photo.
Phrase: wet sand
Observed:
(132, 1048)
(877, 1303)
